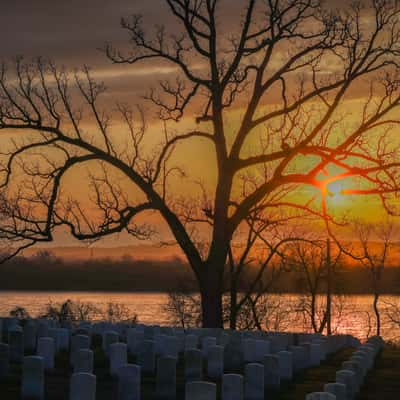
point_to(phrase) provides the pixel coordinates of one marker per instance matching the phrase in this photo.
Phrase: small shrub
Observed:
(19, 312)
(117, 312)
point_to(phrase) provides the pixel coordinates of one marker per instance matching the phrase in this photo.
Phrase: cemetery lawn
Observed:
(313, 379)
(383, 382)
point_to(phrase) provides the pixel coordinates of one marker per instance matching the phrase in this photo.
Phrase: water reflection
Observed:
(354, 315)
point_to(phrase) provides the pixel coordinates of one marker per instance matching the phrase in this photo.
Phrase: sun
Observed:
(335, 189)
(335, 195)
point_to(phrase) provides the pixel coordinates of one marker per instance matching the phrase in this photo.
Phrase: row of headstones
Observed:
(163, 336)
(252, 346)
(82, 358)
(27, 338)
(352, 375)
(232, 356)
(257, 376)
(277, 366)
(83, 384)
(237, 351)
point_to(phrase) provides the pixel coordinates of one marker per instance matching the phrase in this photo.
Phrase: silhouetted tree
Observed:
(261, 247)
(375, 242)
(285, 74)
(317, 275)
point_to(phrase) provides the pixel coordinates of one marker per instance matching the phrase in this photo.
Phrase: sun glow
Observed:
(336, 198)
(335, 189)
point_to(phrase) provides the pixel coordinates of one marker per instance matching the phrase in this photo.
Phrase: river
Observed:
(353, 316)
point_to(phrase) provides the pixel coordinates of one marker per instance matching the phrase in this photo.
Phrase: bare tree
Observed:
(183, 308)
(392, 314)
(258, 256)
(375, 241)
(287, 71)
(317, 271)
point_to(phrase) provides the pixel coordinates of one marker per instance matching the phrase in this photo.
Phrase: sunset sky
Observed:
(71, 33)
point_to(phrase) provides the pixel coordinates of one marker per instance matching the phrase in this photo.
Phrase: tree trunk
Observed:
(233, 303)
(211, 290)
(328, 289)
(377, 314)
(313, 312)
(233, 311)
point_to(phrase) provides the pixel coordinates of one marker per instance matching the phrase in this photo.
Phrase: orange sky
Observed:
(71, 35)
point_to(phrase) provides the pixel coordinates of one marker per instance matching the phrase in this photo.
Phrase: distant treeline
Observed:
(46, 272)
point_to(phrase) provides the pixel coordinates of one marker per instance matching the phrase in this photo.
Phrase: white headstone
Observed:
(348, 379)
(320, 396)
(337, 389)
(200, 391)
(166, 378)
(191, 342)
(285, 365)
(135, 340)
(369, 355)
(262, 348)
(360, 361)
(11, 324)
(193, 365)
(249, 350)
(46, 350)
(4, 360)
(30, 336)
(171, 347)
(167, 330)
(16, 345)
(271, 372)
(254, 382)
(147, 356)
(83, 387)
(232, 387)
(109, 338)
(315, 354)
(298, 358)
(118, 353)
(129, 381)
(180, 335)
(150, 332)
(33, 378)
(63, 339)
(215, 362)
(233, 354)
(53, 333)
(83, 361)
(355, 367)
(159, 343)
(324, 347)
(66, 325)
(206, 343)
(223, 339)
(306, 355)
(42, 328)
(78, 342)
